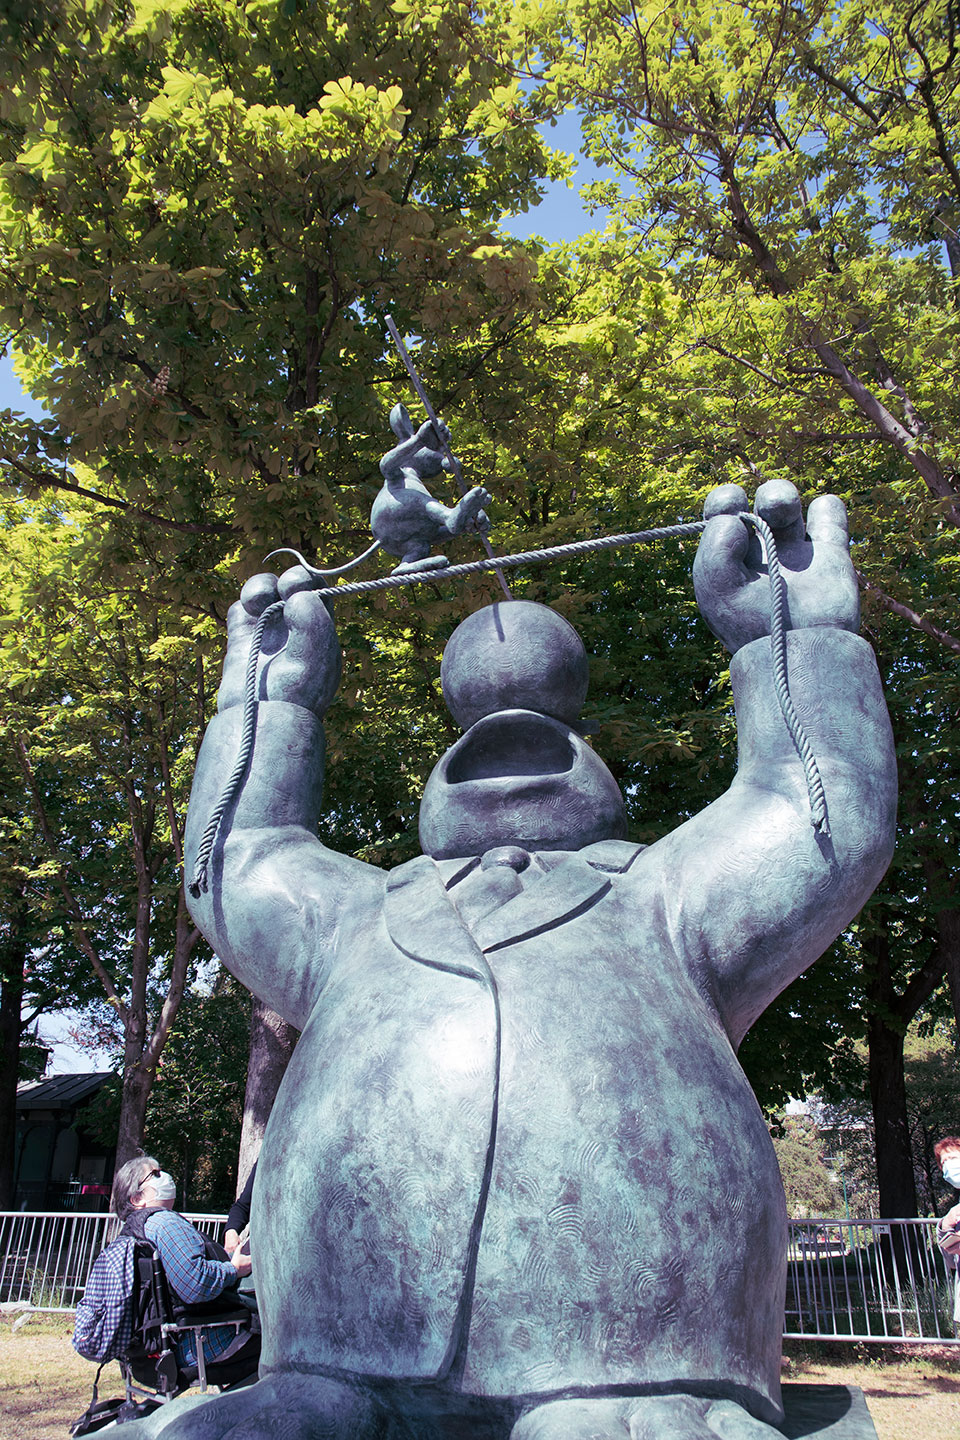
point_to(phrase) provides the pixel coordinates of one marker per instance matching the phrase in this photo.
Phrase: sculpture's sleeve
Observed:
(752, 894)
(277, 901)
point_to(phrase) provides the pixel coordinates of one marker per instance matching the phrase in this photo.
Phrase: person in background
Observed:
(238, 1216)
(143, 1198)
(947, 1154)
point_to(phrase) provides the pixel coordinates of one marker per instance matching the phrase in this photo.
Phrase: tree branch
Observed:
(896, 607)
(925, 86)
(867, 403)
(747, 365)
(836, 83)
(153, 375)
(187, 937)
(920, 987)
(52, 480)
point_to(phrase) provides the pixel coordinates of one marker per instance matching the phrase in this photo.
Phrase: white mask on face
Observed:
(162, 1186)
(951, 1171)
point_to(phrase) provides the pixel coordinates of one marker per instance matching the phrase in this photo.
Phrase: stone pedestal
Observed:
(826, 1412)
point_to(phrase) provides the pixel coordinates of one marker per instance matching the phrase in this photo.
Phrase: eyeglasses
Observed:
(150, 1175)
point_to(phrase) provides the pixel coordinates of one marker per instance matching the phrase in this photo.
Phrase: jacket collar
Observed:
(423, 923)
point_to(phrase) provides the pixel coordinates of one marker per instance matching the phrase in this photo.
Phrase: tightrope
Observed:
(508, 562)
(778, 644)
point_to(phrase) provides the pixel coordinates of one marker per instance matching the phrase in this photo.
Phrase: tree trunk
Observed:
(888, 1096)
(271, 1045)
(137, 1084)
(888, 1091)
(13, 958)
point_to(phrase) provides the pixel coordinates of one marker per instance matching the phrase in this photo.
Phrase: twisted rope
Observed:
(232, 785)
(778, 648)
(509, 562)
(818, 808)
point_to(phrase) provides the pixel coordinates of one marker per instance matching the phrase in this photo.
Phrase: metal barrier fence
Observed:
(880, 1280)
(45, 1258)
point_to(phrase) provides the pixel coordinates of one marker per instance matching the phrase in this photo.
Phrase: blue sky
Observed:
(11, 393)
(561, 215)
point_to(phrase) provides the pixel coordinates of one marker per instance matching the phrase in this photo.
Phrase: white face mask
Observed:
(951, 1171)
(162, 1187)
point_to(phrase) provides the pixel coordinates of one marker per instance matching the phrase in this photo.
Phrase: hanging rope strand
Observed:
(233, 783)
(778, 644)
(778, 647)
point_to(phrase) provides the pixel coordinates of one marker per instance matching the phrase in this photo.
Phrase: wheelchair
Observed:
(152, 1373)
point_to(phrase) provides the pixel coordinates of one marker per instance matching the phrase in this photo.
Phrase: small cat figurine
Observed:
(405, 518)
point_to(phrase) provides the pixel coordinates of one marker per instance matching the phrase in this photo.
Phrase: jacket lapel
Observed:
(575, 880)
(422, 922)
(569, 887)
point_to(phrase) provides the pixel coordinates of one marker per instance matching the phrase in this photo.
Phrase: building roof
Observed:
(59, 1092)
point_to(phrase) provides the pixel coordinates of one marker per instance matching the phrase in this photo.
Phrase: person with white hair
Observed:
(143, 1198)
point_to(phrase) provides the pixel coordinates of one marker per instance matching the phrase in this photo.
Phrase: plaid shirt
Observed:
(104, 1323)
(192, 1276)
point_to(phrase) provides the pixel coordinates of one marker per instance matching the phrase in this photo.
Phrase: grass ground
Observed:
(913, 1393)
(44, 1383)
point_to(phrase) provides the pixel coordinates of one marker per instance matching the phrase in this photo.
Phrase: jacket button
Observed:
(510, 855)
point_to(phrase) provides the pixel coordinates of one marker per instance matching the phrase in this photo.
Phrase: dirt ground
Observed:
(44, 1383)
(913, 1393)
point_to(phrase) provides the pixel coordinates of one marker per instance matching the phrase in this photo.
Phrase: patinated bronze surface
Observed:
(515, 1179)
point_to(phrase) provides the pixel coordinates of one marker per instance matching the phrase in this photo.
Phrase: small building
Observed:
(58, 1164)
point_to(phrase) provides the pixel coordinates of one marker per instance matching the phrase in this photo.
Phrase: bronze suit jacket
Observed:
(504, 1135)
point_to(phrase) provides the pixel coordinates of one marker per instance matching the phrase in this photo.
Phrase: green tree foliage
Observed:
(843, 1117)
(23, 932)
(846, 1138)
(793, 170)
(205, 211)
(809, 1182)
(42, 969)
(102, 703)
(933, 1105)
(195, 1109)
(788, 176)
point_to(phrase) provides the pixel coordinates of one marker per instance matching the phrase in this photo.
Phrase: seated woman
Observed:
(143, 1198)
(947, 1153)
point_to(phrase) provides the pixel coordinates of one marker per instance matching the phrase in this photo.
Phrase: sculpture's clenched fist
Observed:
(300, 652)
(730, 576)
